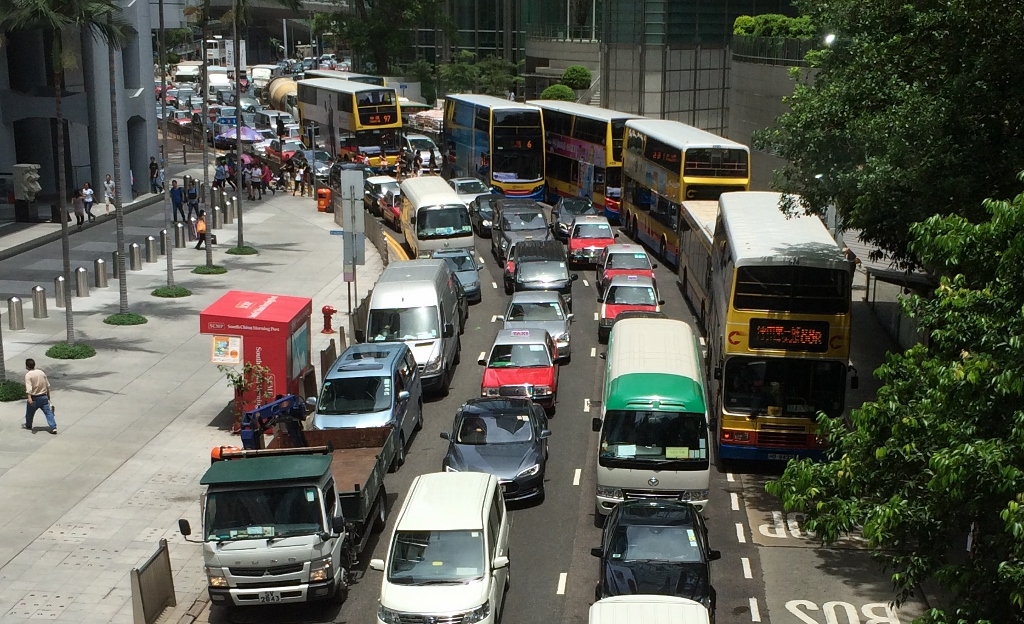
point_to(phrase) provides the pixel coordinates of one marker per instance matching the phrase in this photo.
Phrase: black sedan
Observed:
(565, 210)
(656, 546)
(503, 436)
(481, 214)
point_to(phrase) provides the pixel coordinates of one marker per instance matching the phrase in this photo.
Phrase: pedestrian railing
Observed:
(153, 586)
(772, 50)
(375, 234)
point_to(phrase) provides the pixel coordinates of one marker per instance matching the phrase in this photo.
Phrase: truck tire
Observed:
(382, 512)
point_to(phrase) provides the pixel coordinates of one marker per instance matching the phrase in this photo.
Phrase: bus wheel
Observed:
(661, 250)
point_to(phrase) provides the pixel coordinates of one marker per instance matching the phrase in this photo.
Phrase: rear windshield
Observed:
(631, 295)
(628, 261)
(524, 221)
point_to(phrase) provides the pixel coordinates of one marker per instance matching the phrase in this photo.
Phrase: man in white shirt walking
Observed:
(37, 388)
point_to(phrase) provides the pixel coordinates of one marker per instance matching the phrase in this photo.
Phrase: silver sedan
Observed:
(541, 309)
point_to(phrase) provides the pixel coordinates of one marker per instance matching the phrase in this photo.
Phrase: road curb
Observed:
(195, 610)
(396, 248)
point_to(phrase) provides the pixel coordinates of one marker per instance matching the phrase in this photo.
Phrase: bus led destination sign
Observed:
(789, 335)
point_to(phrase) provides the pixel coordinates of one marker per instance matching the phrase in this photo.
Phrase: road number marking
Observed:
(576, 476)
(739, 534)
(747, 574)
(561, 583)
(874, 612)
(586, 405)
(781, 523)
(593, 351)
(730, 478)
(735, 499)
(494, 285)
(586, 283)
(755, 613)
(595, 316)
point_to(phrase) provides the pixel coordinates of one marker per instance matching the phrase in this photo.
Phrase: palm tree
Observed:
(118, 211)
(102, 19)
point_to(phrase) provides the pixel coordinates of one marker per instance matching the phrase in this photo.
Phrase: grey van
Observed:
(372, 385)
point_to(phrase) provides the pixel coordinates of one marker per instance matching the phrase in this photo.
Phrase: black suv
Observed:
(540, 265)
(516, 220)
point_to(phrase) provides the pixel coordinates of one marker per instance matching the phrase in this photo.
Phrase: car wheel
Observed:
(341, 591)
(419, 418)
(509, 288)
(458, 352)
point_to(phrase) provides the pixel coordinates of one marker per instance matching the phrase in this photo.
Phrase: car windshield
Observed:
(460, 262)
(535, 311)
(292, 146)
(422, 144)
(403, 324)
(784, 386)
(628, 434)
(355, 395)
(655, 543)
(443, 221)
(628, 261)
(500, 428)
(519, 356)
(631, 295)
(389, 186)
(263, 513)
(436, 557)
(543, 271)
(471, 186)
(524, 221)
(588, 230)
(320, 155)
(577, 206)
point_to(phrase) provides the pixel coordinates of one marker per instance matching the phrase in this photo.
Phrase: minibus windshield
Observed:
(442, 221)
(436, 557)
(403, 324)
(653, 436)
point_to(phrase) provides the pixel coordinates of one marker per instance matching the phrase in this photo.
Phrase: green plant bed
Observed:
(244, 250)
(128, 318)
(64, 351)
(172, 292)
(11, 390)
(209, 270)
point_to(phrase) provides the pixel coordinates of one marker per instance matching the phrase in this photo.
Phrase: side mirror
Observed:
(184, 527)
(377, 564)
(600, 299)
(654, 266)
(714, 555)
(338, 525)
(449, 330)
(570, 317)
(311, 403)
(544, 434)
(595, 424)
(616, 235)
(854, 382)
(360, 335)
(499, 563)
(403, 395)
(597, 552)
(661, 302)
(574, 277)
(445, 435)
(718, 372)
(482, 361)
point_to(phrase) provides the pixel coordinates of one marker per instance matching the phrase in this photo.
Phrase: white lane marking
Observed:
(755, 613)
(483, 354)
(702, 342)
(740, 537)
(494, 319)
(586, 405)
(494, 285)
(746, 568)
(729, 477)
(735, 501)
(586, 283)
(576, 476)
(595, 316)
(561, 585)
(593, 351)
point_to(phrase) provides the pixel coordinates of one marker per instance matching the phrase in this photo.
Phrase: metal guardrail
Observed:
(562, 32)
(772, 50)
(153, 586)
(374, 229)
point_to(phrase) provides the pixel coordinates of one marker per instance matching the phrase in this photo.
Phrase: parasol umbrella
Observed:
(248, 134)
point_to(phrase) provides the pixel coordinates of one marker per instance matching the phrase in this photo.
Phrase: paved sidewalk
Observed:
(138, 420)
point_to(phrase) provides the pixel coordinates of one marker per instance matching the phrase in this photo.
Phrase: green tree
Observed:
(912, 111)
(426, 74)
(497, 76)
(461, 75)
(102, 20)
(577, 77)
(939, 455)
(558, 92)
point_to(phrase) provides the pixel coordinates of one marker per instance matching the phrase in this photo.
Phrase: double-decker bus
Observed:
(499, 141)
(583, 146)
(342, 75)
(654, 423)
(696, 235)
(353, 117)
(778, 328)
(666, 163)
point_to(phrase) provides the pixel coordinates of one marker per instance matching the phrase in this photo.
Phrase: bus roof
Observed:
(342, 86)
(582, 110)
(490, 101)
(761, 234)
(653, 360)
(680, 135)
(705, 214)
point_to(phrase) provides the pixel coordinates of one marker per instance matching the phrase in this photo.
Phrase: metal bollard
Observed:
(39, 302)
(163, 242)
(99, 272)
(134, 257)
(235, 207)
(58, 291)
(81, 282)
(179, 235)
(225, 200)
(115, 266)
(15, 314)
(191, 229)
(229, 214)
(151, 249)
(218, 219)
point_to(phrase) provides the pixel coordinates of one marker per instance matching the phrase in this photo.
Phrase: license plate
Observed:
(780, 456)
(270, 596)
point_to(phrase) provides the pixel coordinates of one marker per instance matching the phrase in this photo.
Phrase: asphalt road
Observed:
(770, 571)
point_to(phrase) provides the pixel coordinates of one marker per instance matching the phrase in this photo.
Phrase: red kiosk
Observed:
(266, 330)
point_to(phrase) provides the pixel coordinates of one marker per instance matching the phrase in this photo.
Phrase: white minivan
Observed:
(433, 217)
(448, 558)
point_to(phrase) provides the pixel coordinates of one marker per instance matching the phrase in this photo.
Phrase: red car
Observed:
(280, 151)
(588, 236)
(626, 293)
(623, 259)
(522, 362)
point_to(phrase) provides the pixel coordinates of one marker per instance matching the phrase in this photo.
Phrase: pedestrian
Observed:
(79, 207)
(37, 389)
(154, 172)
(298, 180)
(160, 177)
(246, 184)
(417, 162)
(177, 201)
(201, 229)
(433, 162)
(192, 197)
(108, 192)
(87, 199)
(287, 174)
(257, 179)
(266, 178)
(219, 175)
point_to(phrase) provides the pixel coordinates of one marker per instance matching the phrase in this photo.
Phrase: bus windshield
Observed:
(653, 436)
(518, 166)
(784, 386)
(442, 221)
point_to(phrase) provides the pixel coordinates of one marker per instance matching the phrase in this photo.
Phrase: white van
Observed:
(648, 609)
(418, 303)
(218, 79)
(433, 217)
(448, 558)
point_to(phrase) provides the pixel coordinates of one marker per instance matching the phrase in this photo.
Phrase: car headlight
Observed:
(693, 495)
(320, 570)
(529, 472)
(388, 616)
(478, 614)
(486, 223)
(609, 492)
(504, 244)
(215, 577)
(433, 365)
(541, 390)
(563, 337)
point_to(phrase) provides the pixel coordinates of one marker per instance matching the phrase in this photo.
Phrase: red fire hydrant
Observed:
(328, 313)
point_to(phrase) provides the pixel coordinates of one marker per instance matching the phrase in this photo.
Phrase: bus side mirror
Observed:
(718, 372)
(855, 380)
(595, 425)
(184, 527)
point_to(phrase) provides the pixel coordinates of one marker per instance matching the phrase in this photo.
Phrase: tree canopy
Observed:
(932, 471)
(577, 77)
(913, 110)
(558, 92)
(489, 75)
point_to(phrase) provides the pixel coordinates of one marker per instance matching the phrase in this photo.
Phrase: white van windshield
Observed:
(436, 557)
(442, 221)
(403, 324)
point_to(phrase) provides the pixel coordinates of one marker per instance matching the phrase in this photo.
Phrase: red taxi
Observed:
(588, 237)
(626, 293)
(623, 259)
(522, 362)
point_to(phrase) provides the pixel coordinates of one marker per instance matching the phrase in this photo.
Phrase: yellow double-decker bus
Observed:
(353, 118)
(778, 329)
(583, 146)
(666, 163)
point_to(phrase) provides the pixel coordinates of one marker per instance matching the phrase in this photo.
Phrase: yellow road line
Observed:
(397, 251)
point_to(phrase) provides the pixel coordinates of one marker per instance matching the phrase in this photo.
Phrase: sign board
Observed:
(355, 249)
(227, 121)
(226, 350)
